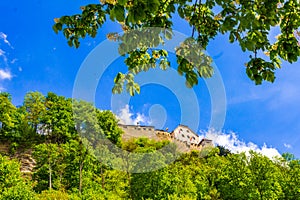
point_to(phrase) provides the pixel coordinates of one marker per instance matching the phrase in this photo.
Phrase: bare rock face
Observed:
(26, 160)
(4, 148)
(24, 156)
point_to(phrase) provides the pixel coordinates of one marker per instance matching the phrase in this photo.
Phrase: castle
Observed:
(182, 136)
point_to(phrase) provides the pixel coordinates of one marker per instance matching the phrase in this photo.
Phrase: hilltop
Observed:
(68, 149)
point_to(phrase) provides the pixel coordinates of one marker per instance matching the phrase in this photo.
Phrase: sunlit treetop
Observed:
(247, 22)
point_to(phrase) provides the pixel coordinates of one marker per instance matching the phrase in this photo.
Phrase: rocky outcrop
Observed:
(26, 160)
(23, 155)
(4, 148)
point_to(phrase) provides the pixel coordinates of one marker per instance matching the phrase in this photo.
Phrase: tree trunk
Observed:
(50, 176)
(50, 170)
(80, 177)
(129, 183)
(102, 176)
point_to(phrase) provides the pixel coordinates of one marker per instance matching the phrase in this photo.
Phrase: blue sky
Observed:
(34, 58)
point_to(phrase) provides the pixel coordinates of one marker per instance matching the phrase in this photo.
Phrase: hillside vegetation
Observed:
(63, 142)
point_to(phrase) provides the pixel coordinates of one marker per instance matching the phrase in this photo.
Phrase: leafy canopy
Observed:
(66, 167)
(246, 22)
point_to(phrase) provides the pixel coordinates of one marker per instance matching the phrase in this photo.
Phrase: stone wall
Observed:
(132, 131)
(190, 141)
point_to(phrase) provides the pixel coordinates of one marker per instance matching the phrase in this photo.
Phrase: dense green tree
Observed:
(249, 23)
(265, 177)
(117, 183)
(63, 166)
(19, 192)
(96, 125)
(10, 173)
(8, 121)
(14, 125)
(58, 123)
(49, 161)
(34, 103)
(205, 172)
(25, 134)
(290, 173)
(235, 182)
(288, 156)
(150, 185)
(12, 185)
(55, 194)
(223, 151)
(70, 166)
(86, 121)
(80, 165)
(97, 128)
(109, 125)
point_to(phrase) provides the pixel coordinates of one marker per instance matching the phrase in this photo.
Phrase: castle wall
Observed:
(182, 136)
(132, 131)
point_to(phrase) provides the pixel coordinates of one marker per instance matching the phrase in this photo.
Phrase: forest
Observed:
(65, 138)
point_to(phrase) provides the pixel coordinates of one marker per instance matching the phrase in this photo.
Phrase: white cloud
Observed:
(288, 146)
(127, 117)
(5, 74)
(3, 36)
(13, 61)
(2, 54)
(235, 145)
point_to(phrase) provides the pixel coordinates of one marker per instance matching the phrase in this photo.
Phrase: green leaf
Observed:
(119, 78)
(164, 64)
(122, 2)
(76, 43)
(269, 76)
(57, 27)
(119, 13)
(258, 79)
(168, 34)
(70, 42)
(231, 37)
(163, 52)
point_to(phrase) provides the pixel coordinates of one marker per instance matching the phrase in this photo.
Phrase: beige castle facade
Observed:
(181, 135)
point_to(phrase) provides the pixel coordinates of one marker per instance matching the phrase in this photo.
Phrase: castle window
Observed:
(144, 128)
(139, 129)
(188, 136)
(187, 131)
(182, 135)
